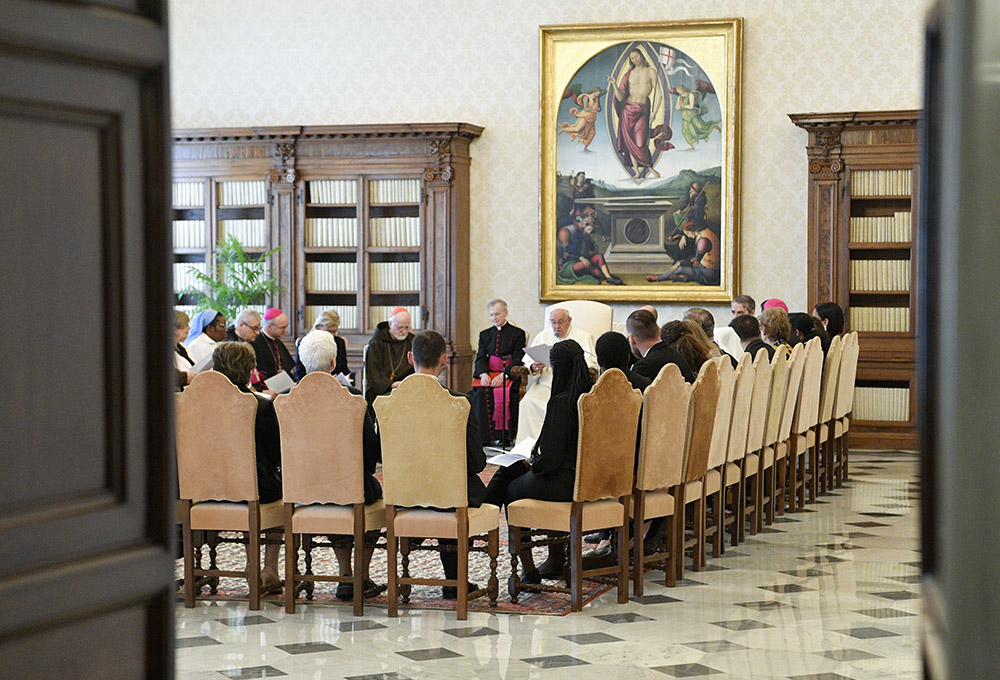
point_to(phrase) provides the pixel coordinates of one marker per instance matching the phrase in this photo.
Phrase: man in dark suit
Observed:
(748, 331)
(501, 347)
(429, 356)
(272, 355)
(654, 354)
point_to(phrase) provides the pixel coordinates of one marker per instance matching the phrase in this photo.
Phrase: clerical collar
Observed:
(500, 327)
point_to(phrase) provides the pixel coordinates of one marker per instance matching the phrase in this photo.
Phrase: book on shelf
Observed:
(242, 193)
(881, 403)
(394, 191)
(348, 314)
(394, 276)
(333, 191)
(251, 233)
(331, 276)
(395, 232)
(184, 276)
(893, 228)
(886, 183)
(188, 195)
(331, 232)
(880, 319)
(880, 275)
(379, 313)
(189, 234)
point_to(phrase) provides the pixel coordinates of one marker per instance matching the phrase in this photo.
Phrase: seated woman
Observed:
(328, 321)
(235, 360)
(688, 338)
(831, 316)
(319, 353)
(805, 328)
(182, 360)
(551, 474)
(775, 329)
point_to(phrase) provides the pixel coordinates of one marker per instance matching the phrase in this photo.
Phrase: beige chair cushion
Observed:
(768, 457)
(435, 524)
(713, 482)
(732, 473)
(555, 516)
(840, 427)
(223, 516)
(335, 519)
(692, 491)
(657, 504)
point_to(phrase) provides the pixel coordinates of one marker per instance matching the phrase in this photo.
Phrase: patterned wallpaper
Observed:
(258, 62)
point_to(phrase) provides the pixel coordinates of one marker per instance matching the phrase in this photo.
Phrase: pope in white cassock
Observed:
(532, 407)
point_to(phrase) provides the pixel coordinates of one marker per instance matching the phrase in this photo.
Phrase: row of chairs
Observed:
(744, 435)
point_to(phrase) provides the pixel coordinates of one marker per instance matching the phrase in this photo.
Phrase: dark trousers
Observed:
(482, 399)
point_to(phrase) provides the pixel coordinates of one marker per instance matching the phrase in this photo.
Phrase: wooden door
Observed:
(86, 492)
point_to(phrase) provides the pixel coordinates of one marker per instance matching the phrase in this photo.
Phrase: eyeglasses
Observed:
(255, 329)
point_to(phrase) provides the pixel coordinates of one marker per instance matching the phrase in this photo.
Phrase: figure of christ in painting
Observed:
(578, 254)
(695, 128)
(632, 95)
(703, 268)
(689, 219)
(584, 129)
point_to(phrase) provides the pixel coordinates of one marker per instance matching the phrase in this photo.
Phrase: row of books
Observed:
(881, 183)
(332, 276)
(885, 229)
(333, 191)
(398, 232)
(188, 194)
(394, 191)
(378, 314)
(251, 233)
(884, 319)
(184, 276)
(251, 192)
(887, 275)
(348, 314)
(392, 276)
(882, 403)
(331, 232)
(189, 234)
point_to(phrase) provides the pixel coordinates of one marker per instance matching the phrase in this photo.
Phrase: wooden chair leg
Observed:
(514, 547)
(680, 513)
(778, 498)
(390, 555)
(463, 564)
(253, 555)
(359, 550)
(845, 443)
(670, 573)
(188, 539)
(719, 518)
(576, 556)
(622, 551)
(291, 559)
(740, 506)
(638, 556)
(698, 553)
(493, 549)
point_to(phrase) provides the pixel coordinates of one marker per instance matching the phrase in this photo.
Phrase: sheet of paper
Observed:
(522, 451)
(540, 354)
(344, 379)
(204, 365)
(279, 382)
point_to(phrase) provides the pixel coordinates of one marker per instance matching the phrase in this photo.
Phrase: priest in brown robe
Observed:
(386, 364)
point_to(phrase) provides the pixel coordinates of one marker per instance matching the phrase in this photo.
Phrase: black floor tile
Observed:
(254, 620)
(884, 613)
(254, 672)
(810, 571)
(198, 641)
(898, 595)
(470, 632)
(713, 646)
(787, 588)
(867, 633)
(867, 524)
(307, 647)
(354, 626)
(745, 624)
(653, 599)
(429, 654)
(557, 661)
(591, 638)
(686, 670)
(625, 617)
(847, 654)
(764, 605)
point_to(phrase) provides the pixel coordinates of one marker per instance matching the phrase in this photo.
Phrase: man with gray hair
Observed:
(501, 348)
(246, 327)
(704, 318)
(743, 304)
(385, 364)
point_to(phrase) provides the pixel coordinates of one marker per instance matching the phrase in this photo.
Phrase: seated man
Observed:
(532, 408)
(501, 347)
(318, 354)
(704, 318)
(653, 353)
(246, 328)
(429, 356)
(208, 328)
(386, 365)
(743, 304)
(748, 330)
(272, 355)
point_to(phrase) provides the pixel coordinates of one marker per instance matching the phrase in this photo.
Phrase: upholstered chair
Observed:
(733, 479)
(712, 488)
(828, 395)
(793, 388)
(803, 435)
(772, 428)
(844, 406)
(594, 317)
(752, 473)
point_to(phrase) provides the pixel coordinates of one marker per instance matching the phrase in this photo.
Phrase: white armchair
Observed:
(594, 317)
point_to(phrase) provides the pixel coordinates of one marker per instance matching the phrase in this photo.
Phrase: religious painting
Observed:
(640, 137)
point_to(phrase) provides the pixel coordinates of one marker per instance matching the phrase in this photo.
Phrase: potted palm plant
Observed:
(240, 280)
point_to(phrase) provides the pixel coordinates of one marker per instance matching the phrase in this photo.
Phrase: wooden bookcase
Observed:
(367, 218)
(862, 255)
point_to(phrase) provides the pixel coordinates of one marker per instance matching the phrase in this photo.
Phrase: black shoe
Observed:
(615, 281)
(372, 589)
(532, 578)
(451, 592)
(345, 591)
(594, 538)
(551, 570)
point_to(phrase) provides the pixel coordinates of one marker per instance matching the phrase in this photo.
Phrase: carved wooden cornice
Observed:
(441, 149)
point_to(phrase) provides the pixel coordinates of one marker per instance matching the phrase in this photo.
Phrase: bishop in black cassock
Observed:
(501, 343)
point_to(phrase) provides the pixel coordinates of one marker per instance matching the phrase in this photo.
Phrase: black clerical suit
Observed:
(658, 356)
(506, 342)
(755, 346)
(269, 354)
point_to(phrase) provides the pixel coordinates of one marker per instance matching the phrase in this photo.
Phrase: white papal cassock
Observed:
(531, 412)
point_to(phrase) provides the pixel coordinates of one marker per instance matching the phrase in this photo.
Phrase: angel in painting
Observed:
(584, 129)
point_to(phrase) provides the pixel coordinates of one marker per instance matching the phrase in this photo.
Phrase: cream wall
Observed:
(302, 62)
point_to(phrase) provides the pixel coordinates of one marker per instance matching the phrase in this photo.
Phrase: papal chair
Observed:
(751, 484)
(322, 474)
(217, 475)
(660, 469)
(605, 462)
(824, 428)
(594, 317)
(425, 485)
(733, 472)
(844, 406)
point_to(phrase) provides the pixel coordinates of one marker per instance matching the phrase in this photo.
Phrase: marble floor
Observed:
(831, 593)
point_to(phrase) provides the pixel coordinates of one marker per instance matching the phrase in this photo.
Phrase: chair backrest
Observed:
(807, 410)
(844, 402)
(793, 388)
(776, 404)
(723, 413)
(215, 440)
(831, 378)
(760, 399)
(594, 317)
(739, 424)
(704, 403)
(666, 404)
(422, 427)
(322, 451)
(609, 422)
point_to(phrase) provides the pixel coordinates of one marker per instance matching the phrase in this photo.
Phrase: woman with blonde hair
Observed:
(775, 328)
(690, 340)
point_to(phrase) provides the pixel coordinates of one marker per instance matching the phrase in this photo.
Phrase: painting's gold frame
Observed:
(563, 49)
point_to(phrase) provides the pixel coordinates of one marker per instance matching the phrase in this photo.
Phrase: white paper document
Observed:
(344, 379)
(279, 382)
(521, 451)
(205, 364)
(540, 353)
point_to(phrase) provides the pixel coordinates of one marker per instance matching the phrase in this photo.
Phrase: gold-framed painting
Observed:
(640, 161)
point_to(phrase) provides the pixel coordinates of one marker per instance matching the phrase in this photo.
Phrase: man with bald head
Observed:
(272, 355)
(386, 364)
(531, 412)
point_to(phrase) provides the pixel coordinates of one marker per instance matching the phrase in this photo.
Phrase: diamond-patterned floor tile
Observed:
(428, 654)
(686, 670)
(591, 638)
(556, 661)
